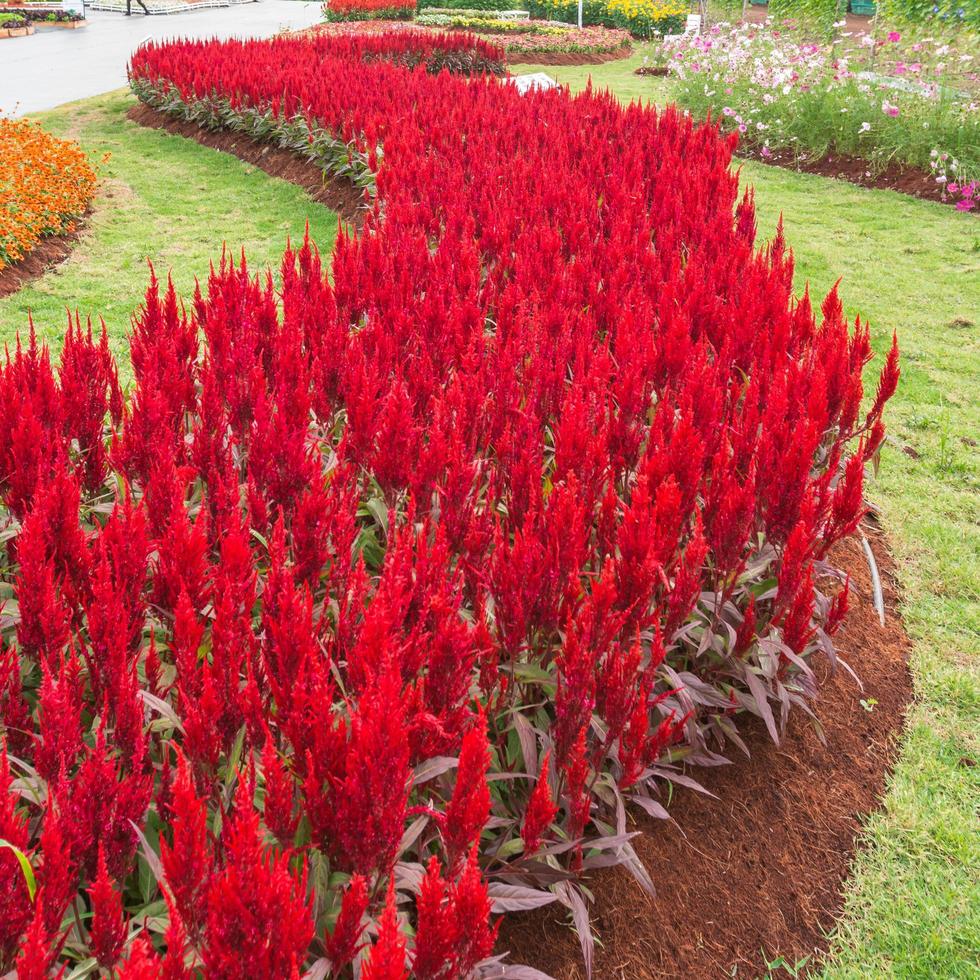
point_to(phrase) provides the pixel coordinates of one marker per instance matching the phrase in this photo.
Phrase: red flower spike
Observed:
(437, 936)
(386, 960)
(469, 807)
(470, 899)
(345, 940)
(108, 929)
(541, 810)
(15, 901)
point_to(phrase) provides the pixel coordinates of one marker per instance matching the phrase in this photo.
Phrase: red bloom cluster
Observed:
(369, 9)
(537, 483)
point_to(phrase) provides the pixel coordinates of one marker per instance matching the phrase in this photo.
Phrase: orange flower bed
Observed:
(45, 185)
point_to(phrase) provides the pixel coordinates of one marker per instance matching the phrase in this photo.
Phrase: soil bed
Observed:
(333, 192)
(566, 58)
(763, 866)
(895, 177)
(49, 252)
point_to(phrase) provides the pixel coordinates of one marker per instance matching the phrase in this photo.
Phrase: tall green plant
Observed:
(941, 14)
(817, 16)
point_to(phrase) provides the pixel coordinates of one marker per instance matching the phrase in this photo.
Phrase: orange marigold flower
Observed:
(45, 184)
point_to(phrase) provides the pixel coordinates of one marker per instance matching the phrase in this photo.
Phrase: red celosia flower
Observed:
(369, 802)
(541, 810)
(436, 937)
(469, 807)
(259, 917)
(107, 932)
(345, 940)
(188, 861)
(471, 904)
(386, 960)
(15, 902)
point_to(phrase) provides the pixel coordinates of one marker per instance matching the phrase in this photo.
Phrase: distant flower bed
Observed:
(642, 18)
(45, 185)
(588, 40)
(52, 16)
(369, 10)
(916, 103)
(485, 25)
(526, 37)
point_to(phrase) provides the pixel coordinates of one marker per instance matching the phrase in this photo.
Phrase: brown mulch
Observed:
(566, 58)
(895, 177)
(855, 23)
(48, 253)
(336, 193)
(763, 866)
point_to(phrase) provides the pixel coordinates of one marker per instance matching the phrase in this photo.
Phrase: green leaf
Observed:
(25, 867)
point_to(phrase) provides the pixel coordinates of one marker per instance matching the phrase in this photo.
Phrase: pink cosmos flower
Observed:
(894, 37)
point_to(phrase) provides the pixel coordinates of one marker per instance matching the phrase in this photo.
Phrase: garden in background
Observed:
(379, 614)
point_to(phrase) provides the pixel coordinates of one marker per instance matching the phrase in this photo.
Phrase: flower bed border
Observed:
(910, 181)
(566, 58)
(51, 251)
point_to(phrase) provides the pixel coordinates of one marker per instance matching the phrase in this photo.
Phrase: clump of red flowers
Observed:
(382, 593)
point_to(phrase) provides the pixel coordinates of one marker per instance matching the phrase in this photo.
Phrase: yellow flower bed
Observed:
(649, 9)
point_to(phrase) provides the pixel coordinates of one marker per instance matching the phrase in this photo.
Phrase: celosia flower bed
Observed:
(384, 595)
(46, 184)
(343, 10)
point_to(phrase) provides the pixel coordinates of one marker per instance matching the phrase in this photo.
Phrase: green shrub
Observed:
(471, 12)
(942, 14)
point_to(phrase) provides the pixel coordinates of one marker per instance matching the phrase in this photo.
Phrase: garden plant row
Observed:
(640, 18)
(384, 595)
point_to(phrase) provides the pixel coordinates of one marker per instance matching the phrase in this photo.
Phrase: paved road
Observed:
(52, 67)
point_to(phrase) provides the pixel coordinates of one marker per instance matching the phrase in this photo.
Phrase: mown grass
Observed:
(913, 902)
(165, 199)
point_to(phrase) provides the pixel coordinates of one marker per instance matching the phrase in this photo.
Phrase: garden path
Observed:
(52, 67)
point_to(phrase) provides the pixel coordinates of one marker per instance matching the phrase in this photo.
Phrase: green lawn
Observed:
(913, 903)
(162, 198)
